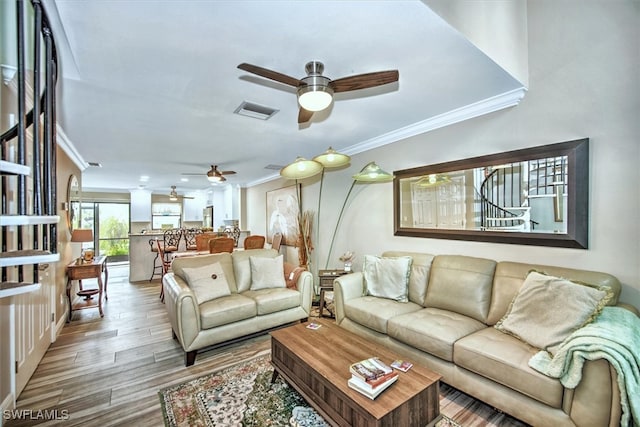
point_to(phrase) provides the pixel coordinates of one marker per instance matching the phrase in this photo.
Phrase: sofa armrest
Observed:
(305, 286)
(183, 310)
(345, 288)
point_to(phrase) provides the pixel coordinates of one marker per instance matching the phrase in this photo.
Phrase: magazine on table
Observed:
(371, 377)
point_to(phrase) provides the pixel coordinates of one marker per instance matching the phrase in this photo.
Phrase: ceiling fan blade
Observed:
(227, 172)
(270, 74)
(304, 115)
(364, 81)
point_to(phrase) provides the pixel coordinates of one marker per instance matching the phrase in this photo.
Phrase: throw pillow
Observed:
(267, 272)
(387, 277)
(291, 275)
(548, 309)
(207, 282)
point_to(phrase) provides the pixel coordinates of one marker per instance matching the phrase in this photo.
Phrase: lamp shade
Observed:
(433, 180)
(373, 173)
(332, 159)
(301, 168)
(82, 235)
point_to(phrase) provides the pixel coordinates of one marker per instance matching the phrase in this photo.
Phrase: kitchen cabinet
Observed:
(140, 206)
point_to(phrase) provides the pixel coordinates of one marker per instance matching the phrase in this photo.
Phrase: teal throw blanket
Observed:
(615, 336)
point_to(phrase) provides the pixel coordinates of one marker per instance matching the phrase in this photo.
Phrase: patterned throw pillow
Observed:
(387, 277)
(548, 309)
(207, 282)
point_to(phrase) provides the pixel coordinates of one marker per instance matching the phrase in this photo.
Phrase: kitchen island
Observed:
(140, 255)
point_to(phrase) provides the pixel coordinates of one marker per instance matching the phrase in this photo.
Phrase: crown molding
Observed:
(67, 146)
(480, 108)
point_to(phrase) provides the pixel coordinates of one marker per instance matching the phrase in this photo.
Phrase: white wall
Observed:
(583, 75)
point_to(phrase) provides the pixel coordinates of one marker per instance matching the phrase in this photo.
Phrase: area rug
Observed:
(241, 395)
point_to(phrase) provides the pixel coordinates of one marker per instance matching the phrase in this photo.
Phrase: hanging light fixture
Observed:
(315, 94)
(301, 168)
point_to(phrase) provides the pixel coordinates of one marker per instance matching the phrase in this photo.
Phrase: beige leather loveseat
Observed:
(241, 296)
(447, 324)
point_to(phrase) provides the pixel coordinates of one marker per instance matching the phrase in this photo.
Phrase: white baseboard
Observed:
(60, 324)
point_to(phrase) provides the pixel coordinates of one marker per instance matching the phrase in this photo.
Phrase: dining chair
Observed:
(202, 241)
(254, 242)
(221, 244)
(276, 241)
(166, 266)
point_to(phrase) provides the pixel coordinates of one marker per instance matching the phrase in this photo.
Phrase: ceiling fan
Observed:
(173, 195)
(214, 175)
(315, 92)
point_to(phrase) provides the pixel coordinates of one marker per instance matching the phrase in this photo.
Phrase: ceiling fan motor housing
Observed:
(315, 94)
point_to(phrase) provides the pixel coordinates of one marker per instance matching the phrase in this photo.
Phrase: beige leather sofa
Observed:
(242, 313)
(447, 326)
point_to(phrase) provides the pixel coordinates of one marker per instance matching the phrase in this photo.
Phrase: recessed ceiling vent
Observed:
(256, 111)
(95, 164)
(274, 167)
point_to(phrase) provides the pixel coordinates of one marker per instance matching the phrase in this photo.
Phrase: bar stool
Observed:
(190, 238)
(170, 244)
(157, 268)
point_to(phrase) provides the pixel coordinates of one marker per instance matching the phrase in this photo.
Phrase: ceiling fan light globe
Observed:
(316, 95)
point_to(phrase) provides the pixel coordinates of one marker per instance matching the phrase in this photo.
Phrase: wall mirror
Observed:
(73, 203)
(534, 196)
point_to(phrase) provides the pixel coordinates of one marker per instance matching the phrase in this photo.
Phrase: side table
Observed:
(79, 270)
(326, 283)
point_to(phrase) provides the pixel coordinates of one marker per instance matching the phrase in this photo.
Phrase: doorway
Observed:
(110, 224)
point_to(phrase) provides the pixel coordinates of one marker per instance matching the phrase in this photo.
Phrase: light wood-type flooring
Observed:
(108, 371)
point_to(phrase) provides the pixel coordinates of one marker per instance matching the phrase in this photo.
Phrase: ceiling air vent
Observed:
(274, 167)
(95, 164)
(256, 111)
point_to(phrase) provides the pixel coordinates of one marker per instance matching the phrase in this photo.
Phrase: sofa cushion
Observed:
(504, 359)
(387, 277)
(374, 312)
(547, 309)
(195, 261)
(432, 330)
(207, 282)
(242, 265)
(274, 299)
(419, 276)
(461, 284)
(267, 272)
(225, 310)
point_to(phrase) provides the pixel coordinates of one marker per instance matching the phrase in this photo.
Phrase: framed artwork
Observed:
(283, 209)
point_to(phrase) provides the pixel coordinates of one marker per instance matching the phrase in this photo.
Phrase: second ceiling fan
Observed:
(315, 92)
(214, 175)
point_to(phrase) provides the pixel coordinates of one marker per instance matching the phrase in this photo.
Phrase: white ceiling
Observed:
(149, 87)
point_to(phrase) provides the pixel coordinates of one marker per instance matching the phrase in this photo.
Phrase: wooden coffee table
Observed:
(316, 363)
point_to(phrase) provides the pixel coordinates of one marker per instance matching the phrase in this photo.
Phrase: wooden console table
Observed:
(79, 270)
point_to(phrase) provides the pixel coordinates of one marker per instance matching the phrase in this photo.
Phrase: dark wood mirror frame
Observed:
(577, 201)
